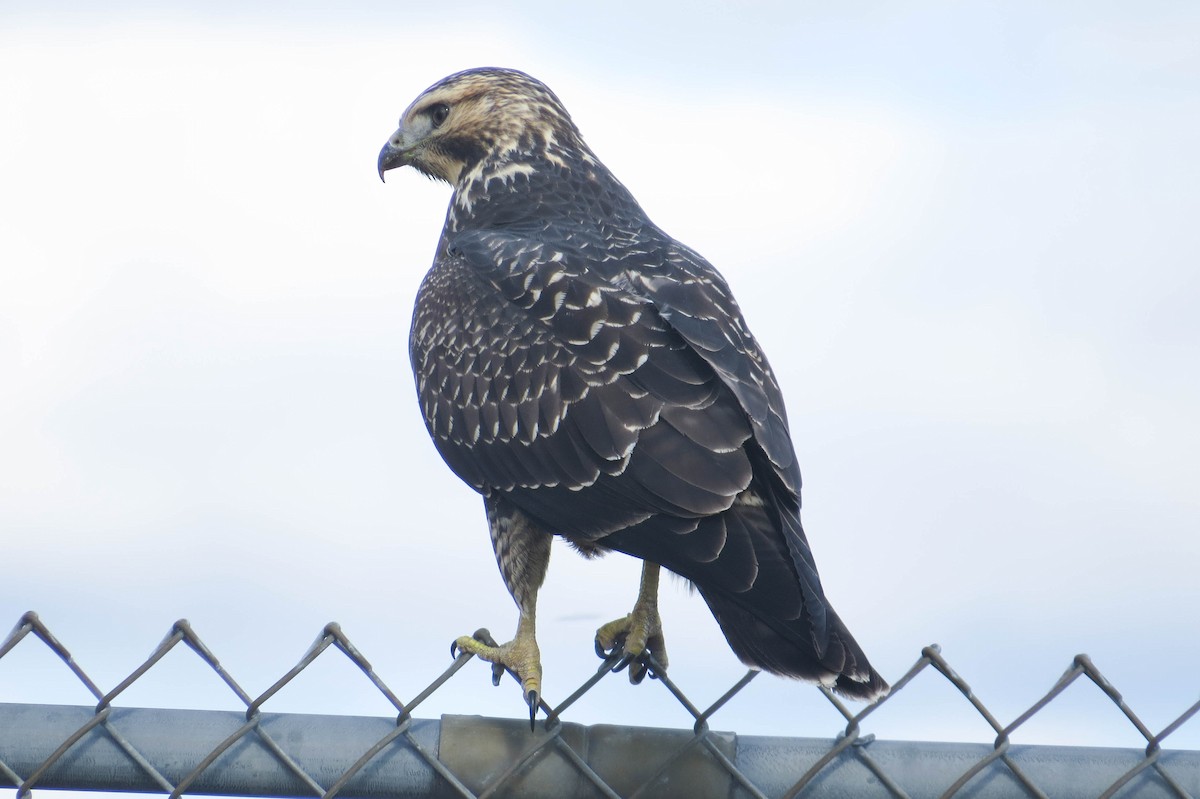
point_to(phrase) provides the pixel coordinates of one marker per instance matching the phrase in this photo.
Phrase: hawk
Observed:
(591, 377)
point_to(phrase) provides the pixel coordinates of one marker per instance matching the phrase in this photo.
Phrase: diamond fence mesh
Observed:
(258, 753)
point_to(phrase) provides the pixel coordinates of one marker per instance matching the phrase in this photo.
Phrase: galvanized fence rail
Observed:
(257, 753)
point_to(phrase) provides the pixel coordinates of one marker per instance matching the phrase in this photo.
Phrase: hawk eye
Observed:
(438, 114)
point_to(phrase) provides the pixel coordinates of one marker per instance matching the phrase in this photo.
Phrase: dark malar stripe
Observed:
(465, 149)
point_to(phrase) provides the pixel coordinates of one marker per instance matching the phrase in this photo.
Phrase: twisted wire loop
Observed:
(60, 746)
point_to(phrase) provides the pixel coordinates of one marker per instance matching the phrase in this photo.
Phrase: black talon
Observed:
(532, 699)
(605, 654)
(453, 650)
(497, 673)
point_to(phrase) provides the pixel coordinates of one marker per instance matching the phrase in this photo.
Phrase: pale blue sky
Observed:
(965, 234)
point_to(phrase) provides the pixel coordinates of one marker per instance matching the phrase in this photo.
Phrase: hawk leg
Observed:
(638, 632)
(523, 554)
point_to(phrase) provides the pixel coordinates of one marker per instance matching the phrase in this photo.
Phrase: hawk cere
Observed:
(593, 378)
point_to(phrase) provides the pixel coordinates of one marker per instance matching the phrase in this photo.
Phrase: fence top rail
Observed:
(111, 747)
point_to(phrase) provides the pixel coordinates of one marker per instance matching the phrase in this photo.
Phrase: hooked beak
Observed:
(393, 153)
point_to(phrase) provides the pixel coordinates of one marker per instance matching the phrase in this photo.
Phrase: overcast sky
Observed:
(965, 233)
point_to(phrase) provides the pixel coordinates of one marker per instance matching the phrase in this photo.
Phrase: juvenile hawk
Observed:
(593, 378)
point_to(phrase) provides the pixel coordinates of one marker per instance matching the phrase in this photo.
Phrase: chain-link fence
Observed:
(257, 753)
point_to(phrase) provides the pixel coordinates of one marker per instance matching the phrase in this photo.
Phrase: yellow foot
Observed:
(519, 656)
(638, 633)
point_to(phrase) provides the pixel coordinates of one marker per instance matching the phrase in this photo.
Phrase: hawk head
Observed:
(476, 116)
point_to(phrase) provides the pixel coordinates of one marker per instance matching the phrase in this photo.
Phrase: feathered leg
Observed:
(639, 631)
(522, 553)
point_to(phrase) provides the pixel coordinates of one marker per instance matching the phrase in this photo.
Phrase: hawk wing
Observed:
(540, 378)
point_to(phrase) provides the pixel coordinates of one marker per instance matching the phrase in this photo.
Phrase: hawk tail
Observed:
(785, 647)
